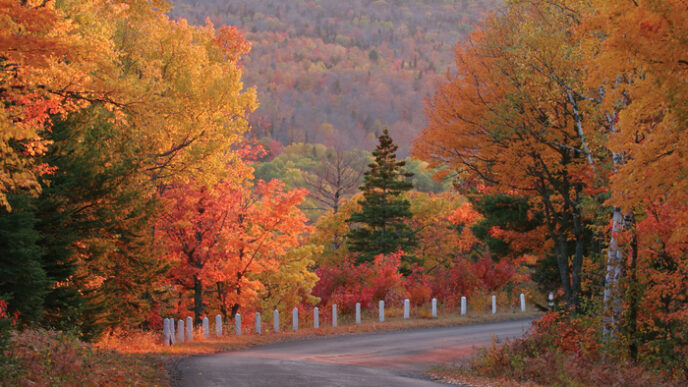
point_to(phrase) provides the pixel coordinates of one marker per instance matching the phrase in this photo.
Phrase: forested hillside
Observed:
(338, 71)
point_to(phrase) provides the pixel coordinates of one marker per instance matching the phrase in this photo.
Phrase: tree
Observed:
(23, 281)
(512, 122)
(94, 215)
(439, 243)
(45, 62)
(336, 178)
(101, 105)
(380, 227)
(221, 238)
(641, 66)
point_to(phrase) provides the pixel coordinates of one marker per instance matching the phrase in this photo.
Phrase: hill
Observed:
(336, 72)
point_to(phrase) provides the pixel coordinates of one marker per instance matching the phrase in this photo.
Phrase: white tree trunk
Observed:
(613, 302)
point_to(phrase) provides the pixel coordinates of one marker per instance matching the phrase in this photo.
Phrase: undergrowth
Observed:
(50, 358)
(564, 351)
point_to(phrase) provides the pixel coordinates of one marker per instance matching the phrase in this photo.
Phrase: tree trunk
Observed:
(612, 292)
(563, 264)
(221, 298)
(198, 299)
(615, 257)
(235, 310)
(236, 306)
(634, 299)
(577, 263)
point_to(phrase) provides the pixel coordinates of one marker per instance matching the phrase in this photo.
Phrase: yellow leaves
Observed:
(175, 89)
(639, 62)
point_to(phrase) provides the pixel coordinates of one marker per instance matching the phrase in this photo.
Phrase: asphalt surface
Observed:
(373, 359)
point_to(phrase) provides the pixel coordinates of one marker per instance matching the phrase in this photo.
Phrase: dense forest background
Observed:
(333, 72)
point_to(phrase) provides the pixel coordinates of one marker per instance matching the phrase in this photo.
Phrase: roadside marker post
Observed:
(189, 328)
(523, 302)
(218, 325)
(180, 331)
(166, 332)
(237, 324)
(295, 319)
(172, 334)
(205, 327)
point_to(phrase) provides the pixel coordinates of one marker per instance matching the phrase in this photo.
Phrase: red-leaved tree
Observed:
(217, 237)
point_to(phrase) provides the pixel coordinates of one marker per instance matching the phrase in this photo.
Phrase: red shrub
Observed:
(492, 275)
(345, 284)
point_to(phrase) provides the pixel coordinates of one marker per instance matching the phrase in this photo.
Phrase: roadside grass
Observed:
(38, 357)
(147, 346)
(459, 374)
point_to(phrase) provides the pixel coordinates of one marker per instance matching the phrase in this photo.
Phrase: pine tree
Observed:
(23, 282)
(380, 228)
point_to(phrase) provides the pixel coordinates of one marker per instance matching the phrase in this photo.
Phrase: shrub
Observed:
(51, 358)
(565, 351)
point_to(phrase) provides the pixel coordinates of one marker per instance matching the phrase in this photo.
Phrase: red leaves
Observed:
(492, 275)
(224, 234)
(13, 319)
(232, 42)
(345, 284)
(565, 334)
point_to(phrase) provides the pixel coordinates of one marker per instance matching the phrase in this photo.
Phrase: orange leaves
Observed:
(641, 63)
(36, 43)
(227, 234)
(232, 42)
(465, 214)
(171, 89)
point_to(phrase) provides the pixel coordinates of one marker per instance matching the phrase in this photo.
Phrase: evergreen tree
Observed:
(92, 217)
(23, 282)
(380, 228)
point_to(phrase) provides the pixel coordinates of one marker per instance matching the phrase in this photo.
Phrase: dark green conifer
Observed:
(380, 227)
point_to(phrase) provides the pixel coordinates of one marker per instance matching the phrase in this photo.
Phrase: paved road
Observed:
(375, 359)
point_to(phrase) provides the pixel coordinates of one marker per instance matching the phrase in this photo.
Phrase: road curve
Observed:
(372, 359)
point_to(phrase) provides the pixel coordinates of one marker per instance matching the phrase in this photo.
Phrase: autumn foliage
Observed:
(128, 188)
(103, 105)
(573, 107)
(221, 238)
(346, 283)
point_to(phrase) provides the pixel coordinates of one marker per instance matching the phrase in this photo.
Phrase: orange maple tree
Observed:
(220, 237)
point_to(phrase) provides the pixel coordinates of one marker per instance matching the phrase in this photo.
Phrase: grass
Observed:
(459, 375)
(49, 358)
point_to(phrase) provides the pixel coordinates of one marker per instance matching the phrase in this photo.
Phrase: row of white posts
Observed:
(169, 336)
